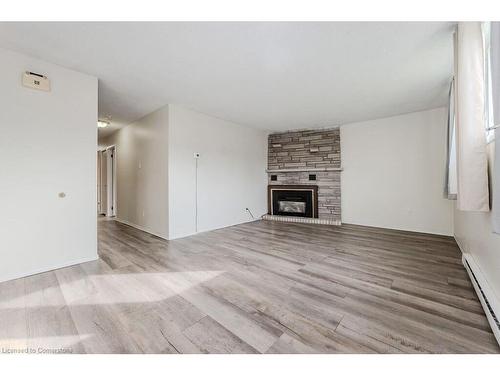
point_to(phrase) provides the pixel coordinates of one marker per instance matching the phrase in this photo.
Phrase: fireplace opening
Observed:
(293, 206)
(294, 200)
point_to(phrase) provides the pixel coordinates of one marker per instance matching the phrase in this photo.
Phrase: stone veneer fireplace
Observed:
(305, 159)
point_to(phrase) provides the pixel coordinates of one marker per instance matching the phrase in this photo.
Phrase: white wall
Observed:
(394, 173)
(47, 146)
(473, 232)
(141, 172)
(231, 172)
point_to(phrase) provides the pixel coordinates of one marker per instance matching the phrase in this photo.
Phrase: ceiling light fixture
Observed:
(102, 124)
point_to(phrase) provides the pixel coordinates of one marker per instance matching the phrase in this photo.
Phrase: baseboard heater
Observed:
(482, 292)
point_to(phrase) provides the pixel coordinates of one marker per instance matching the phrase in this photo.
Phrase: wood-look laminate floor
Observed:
(261, 287)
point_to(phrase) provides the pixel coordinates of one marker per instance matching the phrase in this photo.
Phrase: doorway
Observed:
(106, 181)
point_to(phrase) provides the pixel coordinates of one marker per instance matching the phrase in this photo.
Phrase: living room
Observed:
(250, 187)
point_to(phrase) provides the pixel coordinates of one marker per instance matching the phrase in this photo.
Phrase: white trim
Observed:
(98, 180)
(217, 228)
(48, 269)
(486, 289)
(136, 226)
(102, 209)
(140, 227)
(111, 181)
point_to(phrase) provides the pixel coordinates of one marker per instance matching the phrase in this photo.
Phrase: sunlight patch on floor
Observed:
(115, 289)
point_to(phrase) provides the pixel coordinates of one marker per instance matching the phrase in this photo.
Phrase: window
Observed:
(451, 165)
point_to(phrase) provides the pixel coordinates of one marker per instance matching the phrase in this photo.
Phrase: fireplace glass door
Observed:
(292, 202)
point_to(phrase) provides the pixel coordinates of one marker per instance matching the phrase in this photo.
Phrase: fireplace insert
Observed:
(293, 200)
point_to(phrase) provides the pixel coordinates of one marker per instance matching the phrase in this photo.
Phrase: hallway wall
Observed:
(141, 172)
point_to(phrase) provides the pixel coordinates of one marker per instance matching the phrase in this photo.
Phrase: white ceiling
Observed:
(274, 76)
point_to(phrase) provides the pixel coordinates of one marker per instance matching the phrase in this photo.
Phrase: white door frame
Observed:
(99, 187)
(111, 180)
(103, 195)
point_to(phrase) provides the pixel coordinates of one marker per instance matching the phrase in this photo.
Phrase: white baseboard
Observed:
(488, 299)
(51, 268)
(140, 227)
(184, 235)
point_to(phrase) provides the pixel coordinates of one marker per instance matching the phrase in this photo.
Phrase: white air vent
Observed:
(484, 294)
(36, 81)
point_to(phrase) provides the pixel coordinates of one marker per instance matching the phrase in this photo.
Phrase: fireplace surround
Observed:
(293, 200)
(305, 159)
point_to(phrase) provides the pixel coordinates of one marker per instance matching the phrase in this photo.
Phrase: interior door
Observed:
(111, 184)
(104, 182)
(99, 153)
